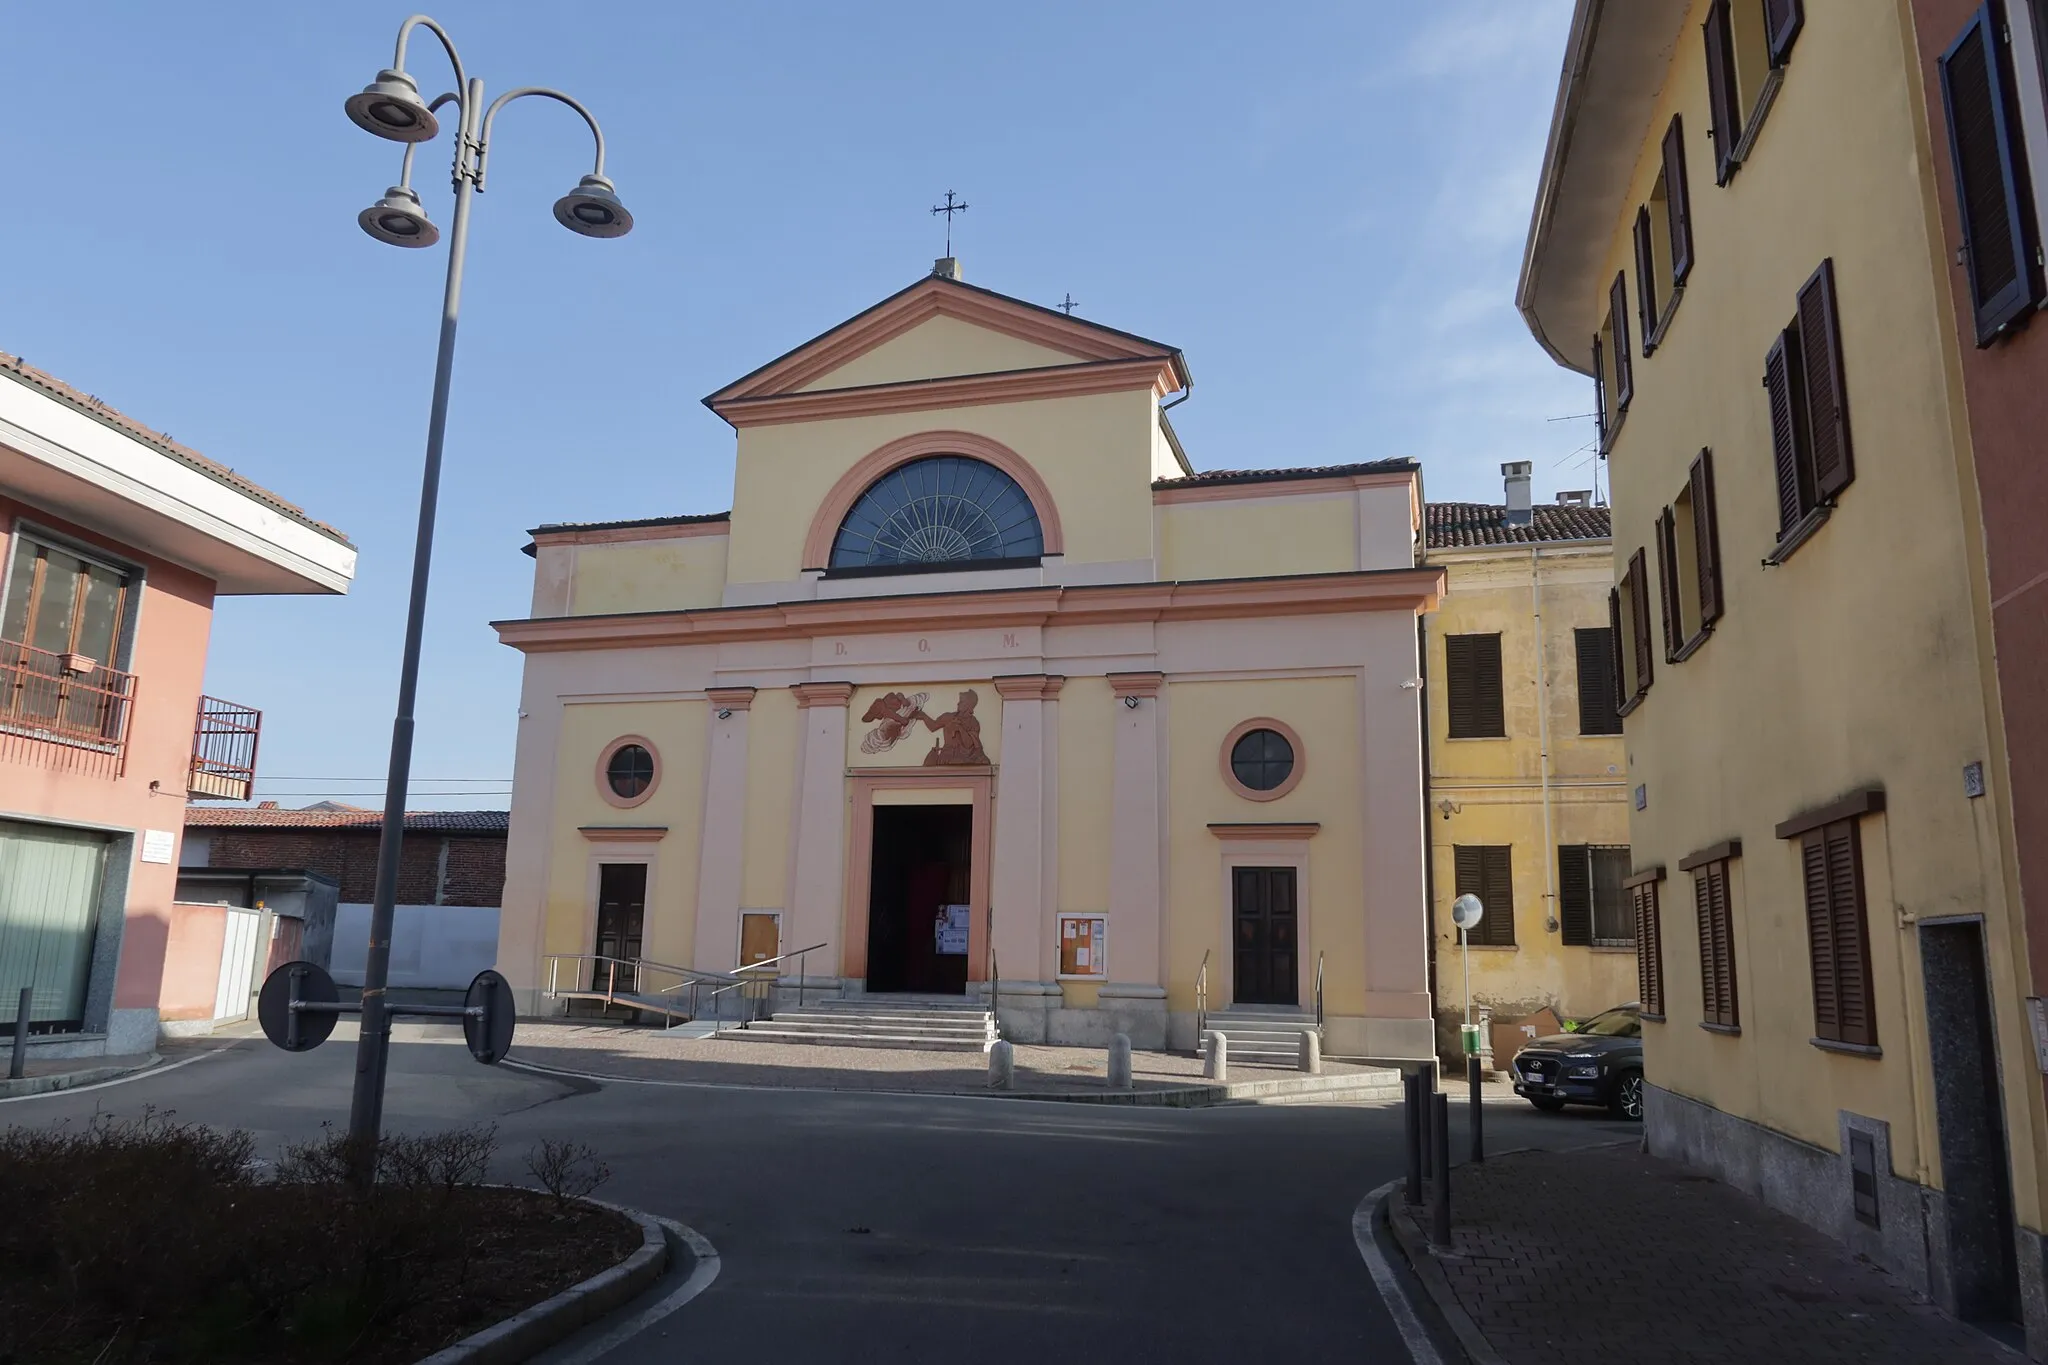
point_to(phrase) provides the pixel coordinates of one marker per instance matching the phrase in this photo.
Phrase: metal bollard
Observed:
(1440, 1220)
(18, 1063)
(1411, 1107)
(1425, 1105)
(1478, 1112)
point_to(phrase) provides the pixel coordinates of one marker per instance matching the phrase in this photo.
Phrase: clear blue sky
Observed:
(1322, 204)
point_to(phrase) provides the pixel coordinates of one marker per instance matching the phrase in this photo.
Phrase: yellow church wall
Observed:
(1324, 712)
(1087, 747)
(1092, 451)
(938, 347)
(772, 735)
(647, 575)
(677, 729)
(1258, 536)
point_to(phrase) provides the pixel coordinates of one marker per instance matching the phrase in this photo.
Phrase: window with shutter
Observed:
(1472, 672)
(1639, 605)
(1624, 358)
(1677, 206)
(1646, 279)
(1726, 130)
(1717, 946)
(1689, 562)
(1785, 389)
(1827, 403)
(1613, 923)
(1487, 871)
(1667, 587)
(1649, 947)
(1782, 22)
(1575, 895)
(1837, 935)
(1998, 238)
(1618, 658)
(1594, 648)
(1706, 537)
(1601, 426)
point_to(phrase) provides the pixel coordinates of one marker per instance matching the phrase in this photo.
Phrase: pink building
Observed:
(114, 542)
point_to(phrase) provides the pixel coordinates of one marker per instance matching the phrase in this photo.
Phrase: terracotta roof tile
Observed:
(1219, 476)
(1451, 525)
(15, 368)
(416, 821)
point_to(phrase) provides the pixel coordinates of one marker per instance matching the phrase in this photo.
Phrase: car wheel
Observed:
(1548, 1106)
(1628, 1097)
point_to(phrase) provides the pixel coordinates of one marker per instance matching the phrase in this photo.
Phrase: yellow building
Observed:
(980, 683)
(1737, 234)
(1527, 795)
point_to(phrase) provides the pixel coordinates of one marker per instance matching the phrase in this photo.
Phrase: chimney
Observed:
(1515, 474)
(266, 805)
(1577, 497)
(947, 267)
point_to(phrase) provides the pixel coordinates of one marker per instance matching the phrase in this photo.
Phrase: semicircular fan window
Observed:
(937, 510)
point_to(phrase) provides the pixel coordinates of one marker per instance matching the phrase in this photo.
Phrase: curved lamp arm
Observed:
(405, 36)
(405, 166)
(510, 95)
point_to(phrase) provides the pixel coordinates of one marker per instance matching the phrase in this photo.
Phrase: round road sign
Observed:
(308, 983)
(1466, 911)
(490, 1035)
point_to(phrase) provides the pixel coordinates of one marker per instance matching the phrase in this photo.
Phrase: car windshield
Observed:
(1613, 1024)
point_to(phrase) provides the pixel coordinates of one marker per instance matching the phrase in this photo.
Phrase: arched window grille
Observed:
(938, 510)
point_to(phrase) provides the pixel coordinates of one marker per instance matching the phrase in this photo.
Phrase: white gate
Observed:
(237, 964)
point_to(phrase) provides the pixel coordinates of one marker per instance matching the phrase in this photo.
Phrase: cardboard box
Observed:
(1510, 1038)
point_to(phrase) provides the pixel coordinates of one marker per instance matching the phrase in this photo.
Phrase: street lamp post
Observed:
(391, 108)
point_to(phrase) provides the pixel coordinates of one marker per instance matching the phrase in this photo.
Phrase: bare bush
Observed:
(443, 1161)
(567, 1170)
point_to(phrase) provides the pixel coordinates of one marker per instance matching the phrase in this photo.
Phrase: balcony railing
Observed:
(224, 751)
(63, 710)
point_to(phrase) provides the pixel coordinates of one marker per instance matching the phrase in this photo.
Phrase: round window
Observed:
(1262, 759)
(630, 772)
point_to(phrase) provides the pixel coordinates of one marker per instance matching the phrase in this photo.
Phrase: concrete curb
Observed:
(524, 1335)
(1276, 1090)
(1471, 1340)
(66, 1080)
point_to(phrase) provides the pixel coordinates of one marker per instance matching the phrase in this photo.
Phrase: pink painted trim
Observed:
(731, 698)
(860, 853)
(604, 788)
(615, 535)
(1278, 488)
(822, 694)
(1286, 732)
(857, 480)
(1136, 684)
(1242, 833)
(1029, 686)
(972, 390)
(623, 834)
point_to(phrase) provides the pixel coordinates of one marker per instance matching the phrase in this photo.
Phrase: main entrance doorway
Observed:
(921, 865)
(1263, 927)
(621, 917)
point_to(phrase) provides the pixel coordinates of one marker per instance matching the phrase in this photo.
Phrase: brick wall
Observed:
(434, 868)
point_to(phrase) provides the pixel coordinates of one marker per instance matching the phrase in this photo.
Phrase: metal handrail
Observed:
(1319, 988)
(1202, 996)
(802, 955)
(555, 959)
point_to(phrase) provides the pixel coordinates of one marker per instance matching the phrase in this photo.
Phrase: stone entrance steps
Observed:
(919, 1024)
(1261, 1035)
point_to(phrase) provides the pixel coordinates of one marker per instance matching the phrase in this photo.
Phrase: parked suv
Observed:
(1601, 1063)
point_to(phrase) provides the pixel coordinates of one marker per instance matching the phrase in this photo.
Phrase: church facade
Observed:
(980, 682)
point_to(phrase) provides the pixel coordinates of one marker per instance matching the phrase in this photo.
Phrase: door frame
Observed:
(1264, 845)
(116, 871)
(612, 848)
(979, 782)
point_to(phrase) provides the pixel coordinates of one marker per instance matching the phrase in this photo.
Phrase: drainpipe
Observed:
(1543, 737)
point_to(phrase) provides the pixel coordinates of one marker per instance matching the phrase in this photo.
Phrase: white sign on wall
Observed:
(157, 845)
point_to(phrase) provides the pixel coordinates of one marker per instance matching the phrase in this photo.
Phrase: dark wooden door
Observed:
(621, 914)
(1263, 920)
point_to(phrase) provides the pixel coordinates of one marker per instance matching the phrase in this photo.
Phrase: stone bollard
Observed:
(1120, 1062)
(1002, 1065)
(1216, 1066)
(1311, 1059)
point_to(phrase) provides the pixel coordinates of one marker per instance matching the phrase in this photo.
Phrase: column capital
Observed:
(823, 694)
(1029, 686)
(731, 698)
(1136, 684)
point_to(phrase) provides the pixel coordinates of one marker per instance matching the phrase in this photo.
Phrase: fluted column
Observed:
(719, 861)
(817, 830)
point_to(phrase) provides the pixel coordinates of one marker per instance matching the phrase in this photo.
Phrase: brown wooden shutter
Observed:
(1677, 205)
(1616, 645)
(1458, 685)
(1624, 357)
(1788, 435)
(1820, 935)
(1646, 278)
(1827, 404)
(1639, 606)
(1668, 596)
(1849, 933)
(1599, 396)
(1717, 946)
(1473, 678)
(1499, 925)
(1575, 895)
(1727, 129)
(1649, 949)
(1782, 22)
(1706, 537)
(1997, 255)
(1595, 649)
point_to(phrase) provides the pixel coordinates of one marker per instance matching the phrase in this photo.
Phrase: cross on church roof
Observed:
(1067, 305)
(949, 208)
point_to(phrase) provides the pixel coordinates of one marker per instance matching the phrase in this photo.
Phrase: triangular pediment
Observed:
(940, 328)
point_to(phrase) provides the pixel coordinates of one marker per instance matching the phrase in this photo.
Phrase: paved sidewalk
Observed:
(40, 1076)
(648, 1054)
(1606, 1254)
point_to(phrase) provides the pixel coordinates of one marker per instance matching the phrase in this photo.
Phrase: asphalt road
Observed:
(899, 1228)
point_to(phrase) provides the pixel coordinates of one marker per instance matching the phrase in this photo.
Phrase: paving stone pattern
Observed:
(1609, 1255)
(648, 1054)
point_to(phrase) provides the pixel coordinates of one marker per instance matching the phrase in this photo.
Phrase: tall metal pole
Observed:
(373, 1048)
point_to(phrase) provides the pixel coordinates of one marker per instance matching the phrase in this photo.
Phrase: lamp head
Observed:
(399, 219)
(391, 107)
(593, 210)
